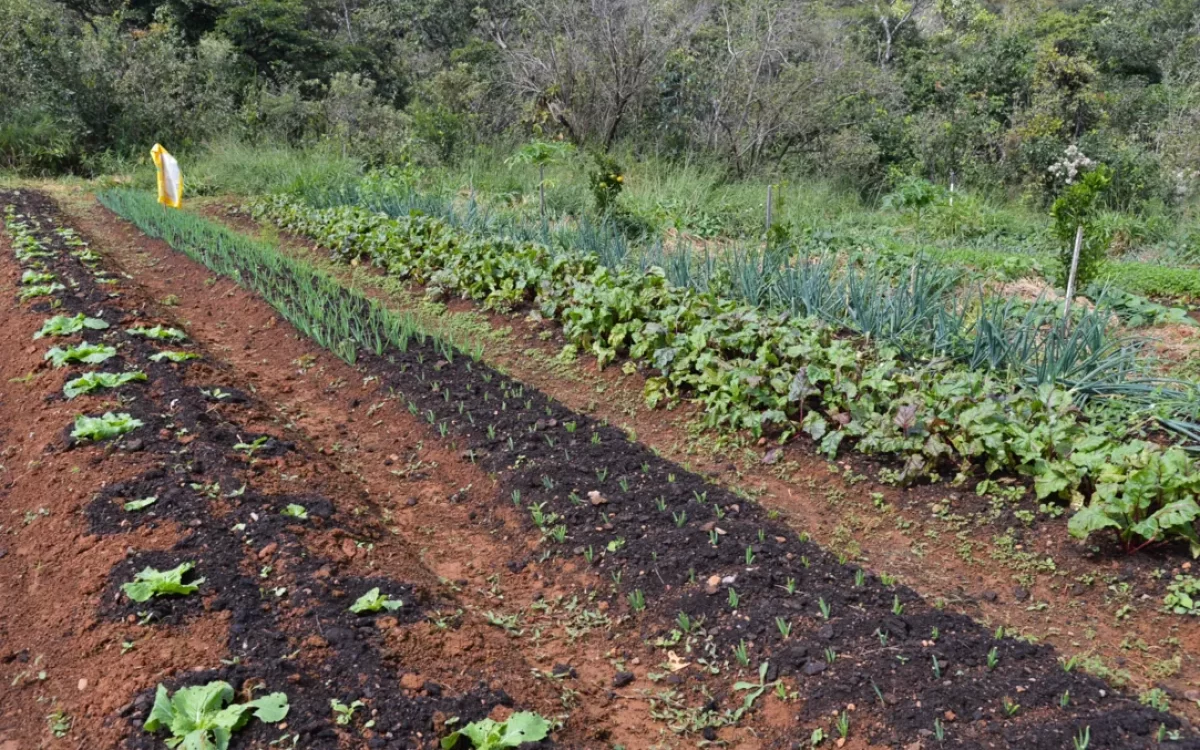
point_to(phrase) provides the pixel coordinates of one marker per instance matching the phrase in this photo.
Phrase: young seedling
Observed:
(680, 518)
(660, 502)
(589, 555)
(624, 483)
(897, 607)
(741, 654)
(993, 658)
(373, 601)
(299, 512)
(1083, 739)
(830, 655)
(252, 447)
(344, 714)
(790, 586)
(1064, 700)
(713, 537)
(733, 598)
(937, 668)
(685, 622)
(1010, 708)
(843, 725)
(145, 502)
(749, 555)
(785, 627)
(637, 600)
(824, 607)
(939, 731)
(859, 578)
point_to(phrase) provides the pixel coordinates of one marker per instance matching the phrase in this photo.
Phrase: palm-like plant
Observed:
(540, 153)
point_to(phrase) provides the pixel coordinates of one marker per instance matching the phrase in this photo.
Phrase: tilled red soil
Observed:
(509, 473)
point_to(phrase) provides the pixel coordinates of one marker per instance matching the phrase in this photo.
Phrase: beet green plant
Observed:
(199, 719)
(149, 583)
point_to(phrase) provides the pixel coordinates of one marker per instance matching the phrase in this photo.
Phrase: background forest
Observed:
(859, 94)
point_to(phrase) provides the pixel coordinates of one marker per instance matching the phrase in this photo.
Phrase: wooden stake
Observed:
(769, 206)
(1074, 270)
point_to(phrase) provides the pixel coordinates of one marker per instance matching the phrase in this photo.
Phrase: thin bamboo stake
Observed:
(1074, 270)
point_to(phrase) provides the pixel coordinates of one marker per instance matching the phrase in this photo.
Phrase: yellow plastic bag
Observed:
(170, 178)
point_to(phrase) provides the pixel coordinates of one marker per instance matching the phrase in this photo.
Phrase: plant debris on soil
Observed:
(716, 621)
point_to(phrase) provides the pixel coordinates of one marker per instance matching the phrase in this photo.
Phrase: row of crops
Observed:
(1061, 404)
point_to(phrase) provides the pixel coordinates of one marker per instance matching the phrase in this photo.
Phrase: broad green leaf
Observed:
(145, 502)
(149, 583)
(1089, 519)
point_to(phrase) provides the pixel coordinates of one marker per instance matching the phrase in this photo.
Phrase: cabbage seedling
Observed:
(373, 601)
(101, 428)
(198, 718)
(88, 354)
(61, 325)
(149, 583)
(487, 734)
(91, 381)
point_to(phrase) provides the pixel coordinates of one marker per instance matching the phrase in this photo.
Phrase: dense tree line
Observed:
(984, 93)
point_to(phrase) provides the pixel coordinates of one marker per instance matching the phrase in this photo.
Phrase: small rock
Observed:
(825, 632)
(596, 498)
(267, 551)
(814, 667)
(83, 683)
(621, 679)
(712, 585)
(410, 502)
(349, 549)
(1020, 593)
(563, 670)
(989, 596)
(134, 446)
(772, 456)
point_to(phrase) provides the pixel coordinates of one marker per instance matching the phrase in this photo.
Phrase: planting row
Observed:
(307, 636)
(731, 596)
(779, 373)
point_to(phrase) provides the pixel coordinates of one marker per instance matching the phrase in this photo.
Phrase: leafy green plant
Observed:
(373, 601)
(158, 333)
(295, 511)
(88, 354)
(92, 381)
(148, 583)
(104, 427)
(1075, 209)
(199, 719)
(1146, 495)
(61, 325)
(344, 713)
(607, 180)
(171, 356)
(1183, 596)
(41, 290)
(487, 734)
(145, 502)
